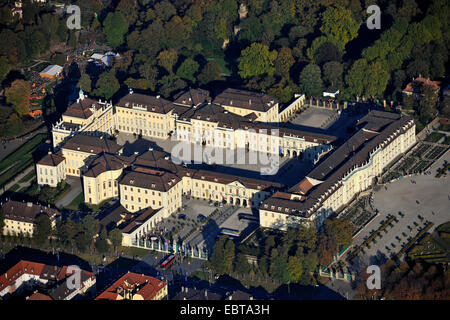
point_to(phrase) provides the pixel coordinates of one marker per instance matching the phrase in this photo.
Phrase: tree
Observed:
(165, 10)
(42, 229)
(218, 256)
(4, 68)
(355, 78)
(210, 72)
(295, 269)
(188, 69)
(332, 73)
(102, 243)
(18, 95)
(150, 73)
(107, 85)
(2, 222)
(72, 40)
(167, 59)
(242, 266)
(311, 80)
(228, 255)
(339, 26)
(340, 231)
(115, 236)
(85, 83)
(14, 126)
(66, 231)
(278, 267)
(82, 241)
(327, 52)
(170, 84)
(325, 250)
(256, 60)
(115, 27)
(90, 226)
(129, 10)
(284, 62)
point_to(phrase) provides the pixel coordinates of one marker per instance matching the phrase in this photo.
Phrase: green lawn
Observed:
(20, 159)
(76, 202)
(28, 177)
(132, 251)
(14, 187)
(222, 63)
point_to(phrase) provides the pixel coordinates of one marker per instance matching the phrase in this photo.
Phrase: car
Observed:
(216, 276)
(182, 216)
(211, 204)
(201, 218)
(221, 205)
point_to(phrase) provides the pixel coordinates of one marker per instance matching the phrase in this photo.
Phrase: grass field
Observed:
(76, 202)
(20, 159)
(28, 177)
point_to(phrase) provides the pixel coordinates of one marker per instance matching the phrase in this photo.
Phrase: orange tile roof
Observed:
(19, 269)
(143, 285)
(39, 296)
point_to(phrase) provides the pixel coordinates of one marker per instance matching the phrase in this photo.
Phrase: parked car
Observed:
(182, 216)
(201, 218)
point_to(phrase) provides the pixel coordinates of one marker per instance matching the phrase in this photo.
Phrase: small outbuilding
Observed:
(51, 72)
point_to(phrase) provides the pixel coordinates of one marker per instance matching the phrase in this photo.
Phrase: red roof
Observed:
(19, 269)
(143, 285)
(39, 296)
(417, 84)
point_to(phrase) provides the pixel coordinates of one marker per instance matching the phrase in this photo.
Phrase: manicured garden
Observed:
(20, 159)
(434, 137)
(427, 249)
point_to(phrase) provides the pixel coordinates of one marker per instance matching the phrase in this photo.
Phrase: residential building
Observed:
(133, 286)
(53, 280)
(415, 87)
(20, 217)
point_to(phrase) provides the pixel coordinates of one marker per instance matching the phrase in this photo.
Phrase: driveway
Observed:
(75, 190)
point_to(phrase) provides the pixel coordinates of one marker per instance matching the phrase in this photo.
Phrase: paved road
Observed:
(75, 190)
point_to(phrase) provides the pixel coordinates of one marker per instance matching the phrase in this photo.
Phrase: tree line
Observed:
(291, 257)
(85, 236)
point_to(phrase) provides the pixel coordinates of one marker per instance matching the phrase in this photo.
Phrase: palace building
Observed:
(150, 184)
(353, 167)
